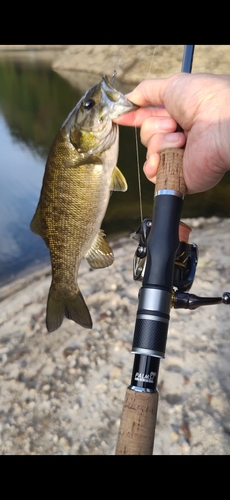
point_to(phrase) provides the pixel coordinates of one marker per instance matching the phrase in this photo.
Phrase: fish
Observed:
(80, 175)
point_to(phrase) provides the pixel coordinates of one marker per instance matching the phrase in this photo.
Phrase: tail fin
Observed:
(71, 306)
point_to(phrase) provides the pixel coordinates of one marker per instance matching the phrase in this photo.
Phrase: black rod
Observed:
(138, 420)
(187, 59)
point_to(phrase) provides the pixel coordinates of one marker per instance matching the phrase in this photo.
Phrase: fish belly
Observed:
(72, 213)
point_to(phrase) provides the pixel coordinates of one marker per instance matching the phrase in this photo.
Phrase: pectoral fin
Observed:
(100, 254)
(36, 224)
(118, 182)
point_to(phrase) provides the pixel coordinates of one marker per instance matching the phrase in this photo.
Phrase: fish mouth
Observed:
(117, 103)
(122, 107)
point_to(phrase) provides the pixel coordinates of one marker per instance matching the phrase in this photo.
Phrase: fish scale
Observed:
(79, 176)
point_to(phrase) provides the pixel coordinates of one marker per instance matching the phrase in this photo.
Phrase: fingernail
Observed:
(172, 137)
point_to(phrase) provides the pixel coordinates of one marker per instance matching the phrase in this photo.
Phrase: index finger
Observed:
(136, 118)
(148, 92)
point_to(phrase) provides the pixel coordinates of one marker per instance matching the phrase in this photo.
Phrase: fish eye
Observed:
(89, 104)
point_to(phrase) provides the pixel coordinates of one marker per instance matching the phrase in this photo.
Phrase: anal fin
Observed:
(100, 253)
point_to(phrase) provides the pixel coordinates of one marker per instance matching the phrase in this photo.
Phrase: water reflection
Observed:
(34, 102)
(21, 174)
(30, 105)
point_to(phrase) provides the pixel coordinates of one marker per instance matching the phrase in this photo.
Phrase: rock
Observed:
(134, 63)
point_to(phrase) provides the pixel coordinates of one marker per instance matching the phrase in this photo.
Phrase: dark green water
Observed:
(34, 102)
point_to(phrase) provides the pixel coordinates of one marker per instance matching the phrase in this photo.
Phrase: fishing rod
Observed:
(166, 266)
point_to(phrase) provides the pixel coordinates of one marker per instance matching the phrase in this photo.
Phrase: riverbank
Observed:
(62, 393)
(133, 63)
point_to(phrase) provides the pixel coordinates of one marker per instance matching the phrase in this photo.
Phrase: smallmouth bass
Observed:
(79, 176)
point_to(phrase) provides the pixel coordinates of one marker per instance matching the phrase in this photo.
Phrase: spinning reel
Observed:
(184, 270)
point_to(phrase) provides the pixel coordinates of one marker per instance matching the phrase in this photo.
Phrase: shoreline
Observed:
(62, 393)
(133, 63)
(37, 271)
(45, 378)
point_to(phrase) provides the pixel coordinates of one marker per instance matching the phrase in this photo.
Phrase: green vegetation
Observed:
(34, 101)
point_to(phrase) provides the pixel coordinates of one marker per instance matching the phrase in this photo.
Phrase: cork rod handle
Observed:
(138, 422)
(170, 171)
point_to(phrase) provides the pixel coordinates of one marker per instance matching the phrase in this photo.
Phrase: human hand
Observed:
(200, 104)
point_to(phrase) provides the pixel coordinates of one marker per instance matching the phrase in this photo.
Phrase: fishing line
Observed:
(136, 138)
(136, 135)
(151, 62)
(118, 65)
(113, 77)
(137, 150)
(139, 175)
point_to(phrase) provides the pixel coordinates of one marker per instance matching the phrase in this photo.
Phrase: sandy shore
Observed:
(62, 393)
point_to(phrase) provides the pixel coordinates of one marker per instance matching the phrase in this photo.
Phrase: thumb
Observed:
(168, 92)
(149, 92)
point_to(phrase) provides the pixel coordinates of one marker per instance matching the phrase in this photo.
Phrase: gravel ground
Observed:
(62, 393)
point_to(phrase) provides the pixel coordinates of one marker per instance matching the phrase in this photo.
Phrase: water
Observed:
(21, 175)
(34, 101)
